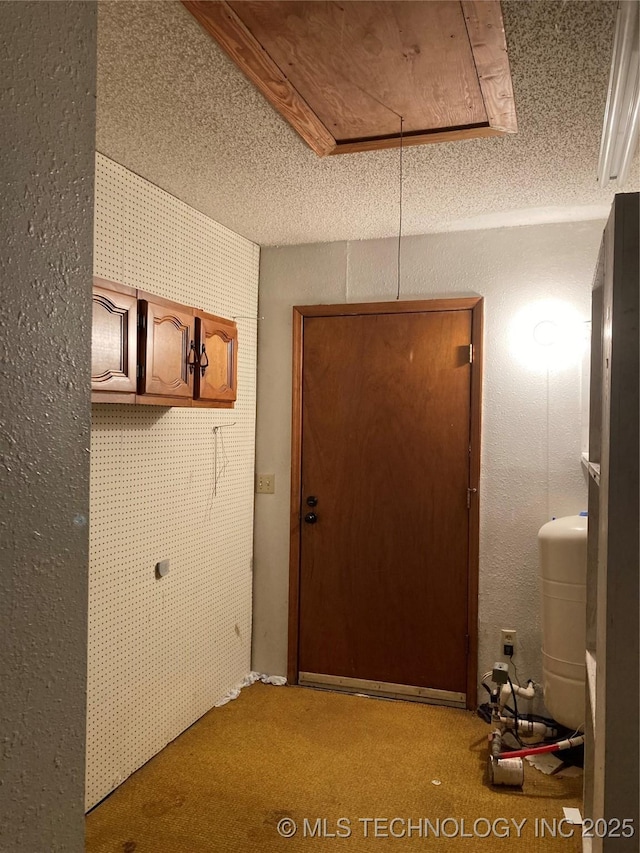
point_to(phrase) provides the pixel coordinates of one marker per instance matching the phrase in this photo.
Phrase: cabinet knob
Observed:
(312, 500)
(311, 518)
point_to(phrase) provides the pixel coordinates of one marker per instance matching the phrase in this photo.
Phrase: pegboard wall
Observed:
(161, 652)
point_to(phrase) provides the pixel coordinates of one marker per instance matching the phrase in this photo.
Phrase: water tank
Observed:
(563, 573)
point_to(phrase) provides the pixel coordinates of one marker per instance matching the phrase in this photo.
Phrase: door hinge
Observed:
(470, 353)
(142, 321)
(470, 492)
(140, 371)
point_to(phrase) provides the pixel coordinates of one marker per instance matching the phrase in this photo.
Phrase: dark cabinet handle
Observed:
(312, 500)
(204, 360)
(192, 358)
(311, 518)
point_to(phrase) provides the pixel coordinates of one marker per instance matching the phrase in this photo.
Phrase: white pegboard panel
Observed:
(161, 652)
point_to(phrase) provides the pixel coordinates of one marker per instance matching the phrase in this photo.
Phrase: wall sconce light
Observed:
(545, 333)
(549, 334)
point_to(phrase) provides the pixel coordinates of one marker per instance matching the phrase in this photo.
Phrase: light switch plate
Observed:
(265, 484)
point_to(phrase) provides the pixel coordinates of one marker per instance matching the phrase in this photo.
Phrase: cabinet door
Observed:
(167, 350)
(113, 340)
(216, 373)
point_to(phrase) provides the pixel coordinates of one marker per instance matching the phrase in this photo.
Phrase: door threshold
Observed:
(385, 689)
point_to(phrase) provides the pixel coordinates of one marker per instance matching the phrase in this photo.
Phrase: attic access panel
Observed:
(342, 73)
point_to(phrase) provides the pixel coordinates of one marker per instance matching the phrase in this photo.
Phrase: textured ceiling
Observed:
(173, 108)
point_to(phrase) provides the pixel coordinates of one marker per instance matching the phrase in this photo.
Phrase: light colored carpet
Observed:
(294, 753)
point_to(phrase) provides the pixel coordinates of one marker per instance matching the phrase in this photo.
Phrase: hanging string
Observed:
(215, 462)
(218, 470)
(400, 205)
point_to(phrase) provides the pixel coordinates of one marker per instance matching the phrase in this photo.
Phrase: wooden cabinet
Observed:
(216, 373)
(113, 342)
(151, 351)
(167, 350)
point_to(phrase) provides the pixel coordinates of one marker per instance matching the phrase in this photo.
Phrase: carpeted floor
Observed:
(295, 754)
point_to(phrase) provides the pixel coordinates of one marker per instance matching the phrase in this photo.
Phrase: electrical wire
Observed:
(515, 670)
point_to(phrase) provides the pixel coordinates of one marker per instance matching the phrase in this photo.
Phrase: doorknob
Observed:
(312, 500)
(311, 518)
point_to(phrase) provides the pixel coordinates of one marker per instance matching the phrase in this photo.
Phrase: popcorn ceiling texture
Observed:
(175, 109)
(47, 142)
(531, 436)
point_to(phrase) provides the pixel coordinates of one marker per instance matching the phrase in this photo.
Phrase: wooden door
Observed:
(113, 342)
(167, 349)
(386, 593)
(216, 374)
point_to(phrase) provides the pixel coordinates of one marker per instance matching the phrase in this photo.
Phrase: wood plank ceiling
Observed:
(355, 76)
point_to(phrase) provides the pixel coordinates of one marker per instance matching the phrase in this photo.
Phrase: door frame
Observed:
(475, 304)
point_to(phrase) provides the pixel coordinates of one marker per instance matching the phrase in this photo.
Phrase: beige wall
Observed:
(532, 432)
(161, 652)
(47, 130)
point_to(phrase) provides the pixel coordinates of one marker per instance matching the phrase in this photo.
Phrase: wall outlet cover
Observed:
(508, 637)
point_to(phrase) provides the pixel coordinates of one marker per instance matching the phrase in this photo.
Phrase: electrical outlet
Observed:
(508, 641)
(265, 484)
